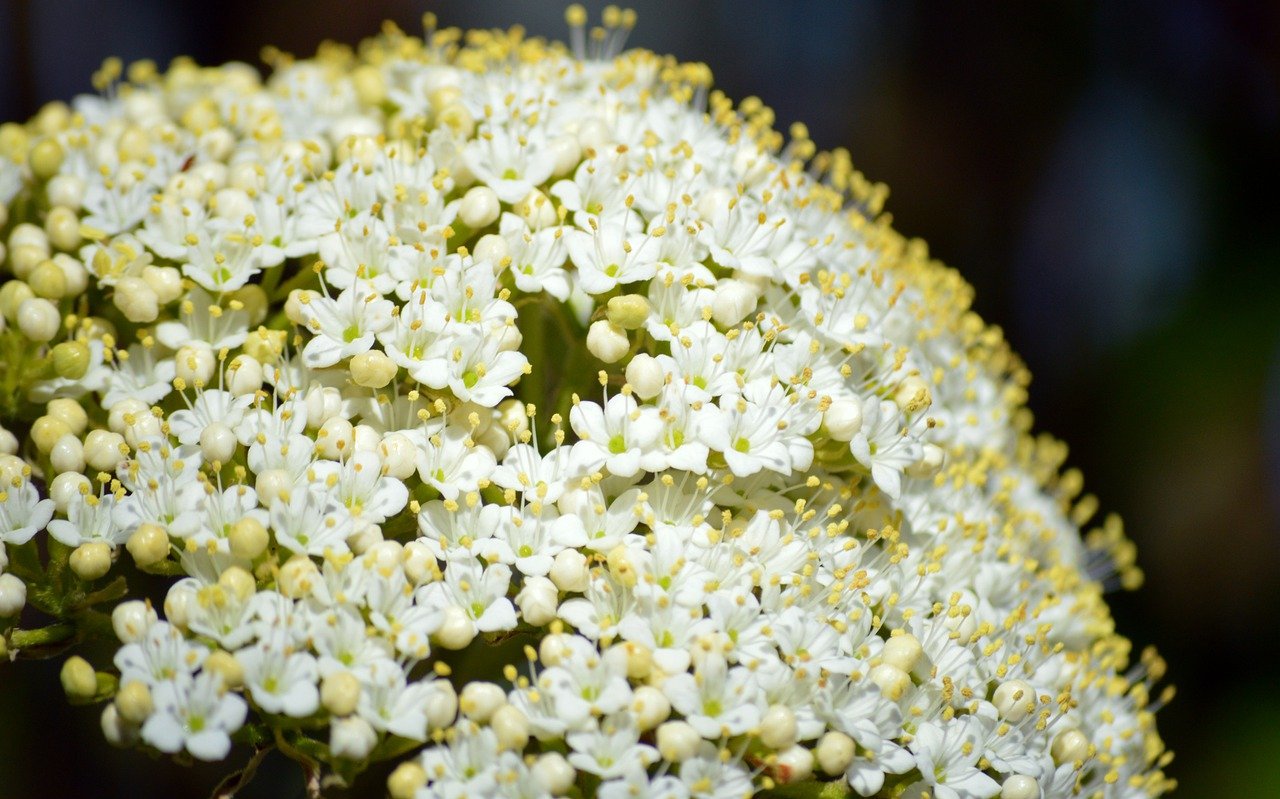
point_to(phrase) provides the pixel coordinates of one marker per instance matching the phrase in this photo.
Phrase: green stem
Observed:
(44, 636)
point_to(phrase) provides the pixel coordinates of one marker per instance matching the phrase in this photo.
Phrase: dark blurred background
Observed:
(1104, 173)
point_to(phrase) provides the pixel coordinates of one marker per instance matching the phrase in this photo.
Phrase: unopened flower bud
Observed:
(677, 741)
(903, 651)
(12, 294)
(48, 281)
(650, 706)
(178, 603)
(536, 210)
(554, 773)
(67, 454)
(195, 363)
(218, 443)
(628, 311)
(931, 458)
(225, 665)
(66, 191)
(1070, 746)
(538, 601)
(47, 430)
(893, 681)
(102, 450)
(45, 159)
(63, 228)
(373, 369)
(75, 277)
(843, 419)
(645, 376)
(457, 630)
(733, 302)
(13, 595)
(569, 571)
(298, 577)
(442, 706)
(352, 738)
(323, 403)
(79, 680)
(340, 693)
(778, 727)
(1014, 700)
(567, 154)
(399, 455)
(335, 438)
(479, 700)
(272, 484)
(130, 620)
(794, 764)
(136, 300)
(244, 375)
(479, 207)
(511, 727)
(491, 248)
(115, 729)
(607, 341)
(68, 488)
(834, 752)
(149, 544)
(1020, 786)
(70, 412)
(405, 781)
(165, 281)
(91, 560)
(133, 700)
(8, 442)
(265, 346)
(39, 320)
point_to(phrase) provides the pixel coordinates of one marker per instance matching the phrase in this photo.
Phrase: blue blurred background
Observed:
(1105, 174)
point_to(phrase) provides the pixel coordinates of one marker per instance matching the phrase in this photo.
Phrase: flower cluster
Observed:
(538, 418)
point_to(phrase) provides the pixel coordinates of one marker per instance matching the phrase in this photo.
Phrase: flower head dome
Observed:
(538, 418)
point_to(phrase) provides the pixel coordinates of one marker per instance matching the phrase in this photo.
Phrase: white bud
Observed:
(335, 439)
(457, 630)
(67, 488)
(903, 651)
(133, 700)
(365, 438)
(1070, 746)
(639, 659)
(491, 248)
(8, 441)
(496, 440)
(13, 595)
(893, 681)
(536, 210)
(645, 376)
(931, 458)
(566, 152)
(442, 706)
(1014, 700)
(66, 191)
(340, 693)
(713, 200)
(352, 738)
(91, 560)
(38, 319)
(323, 403)
(479, 207)
(295, 305)
(594, 134)
(513, 416)
(195, 363)
(70, 413)
(650, 706)
(366, 535)
(384, 555)
(399, 455)
(794, 764)
(13, 470)
(178, 603)
(778, 727)
(136, 300)
(75, 276)
(148, 544)
(843, 419)
(554, 773)
(165, 281)
(569, 571)
(1020, 786)
(132, 619)
(244, 375)
(141, 428)
(272, 484)
(834, 752)
(78, 679)
(419, 562)
(913, 394)
(511, 727)
(67, 454)
(677, 741)
(298, 577)
(607, 341)
(118, 414)
(218, 443)
(232, 203)
(116, 730)
(46, 431)
(733, 302)
(373, 369)
(479, 700)
(26, 234)
(553, 649)
(538, 600)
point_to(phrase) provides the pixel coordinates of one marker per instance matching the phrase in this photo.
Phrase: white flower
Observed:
(345, 325)
(615, 436)
(22, 513)
(716, 699)
(280, 681)
(198, 717)
(947, 753)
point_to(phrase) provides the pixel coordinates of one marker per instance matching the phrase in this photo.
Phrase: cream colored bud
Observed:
(365, 438)
(39, 320)
(733, 302)
(71, 359)
(607, 341)
(513, 416)
(12, 294)
(248, 538)
(265, 345)
(1014, 700)
(567, 154)
(553, 649)
(116, 730)
(419, 563)
(47, 430)
(913, 394)
(24, 259)
(119, 414)
(232, 204)
(843, 419)
(136, 300)
(149, 544)
(834, 752)
(405, 781)
(492, 248)
(893, 681)
(165, 281)
(272, 484)
(68, 488)
(79, 680)
(650, 707)
(47, 281)
(336, 438)
(70, 412)
(371, 88)
(713, 200)
(238, 582)
(479, 700)
(442, 706)
(554, 773)
(295, 305)
(456, 117)
(479, 207)
(1020, 786)
(645, 376)
(399, 455)
(8, 442)
(67, 454)
(373, 369)
(323, 403)
(13, 595)
(133, 700)
(1070, 746)
(594, 134)
(130, 620)
(538, 601)
(794, 764)
(902, 651)
(225, 665)
(931, 458)
(569, 571)
(778, 727)
(677, 741)
(340, 693)
(639, 659)
(45, 159)
(511, 727)
(62, 226)
(298, 577)
(25, 234)
(218, 443)
(628, 311)
(102, 450)
(536, 210)
(195, 363)
(66, 191)
(13, 470)
(244, 375)
(351, 738)
(457, 630)
(178, 603)
(75, 277)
